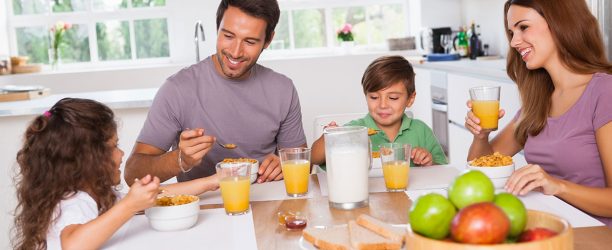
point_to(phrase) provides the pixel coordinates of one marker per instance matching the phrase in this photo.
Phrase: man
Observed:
(226, 97)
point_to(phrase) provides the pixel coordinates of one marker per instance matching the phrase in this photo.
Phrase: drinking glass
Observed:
(485, 105)
(446, 41)
(395, 159)
(295, 163)
(235, 186)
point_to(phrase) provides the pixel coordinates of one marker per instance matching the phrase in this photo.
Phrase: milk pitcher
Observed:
(347, 157)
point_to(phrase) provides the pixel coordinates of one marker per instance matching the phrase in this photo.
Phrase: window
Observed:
(312, 24)
(103, 31)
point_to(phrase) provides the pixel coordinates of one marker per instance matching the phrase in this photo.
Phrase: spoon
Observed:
(227, 145)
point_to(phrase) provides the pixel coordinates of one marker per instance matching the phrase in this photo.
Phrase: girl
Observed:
(69, 165)
(557, 59)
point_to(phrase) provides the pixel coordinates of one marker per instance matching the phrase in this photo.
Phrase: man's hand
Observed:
(194, 145)
(270, 169)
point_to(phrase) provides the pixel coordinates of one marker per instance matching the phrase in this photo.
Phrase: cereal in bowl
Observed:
(233, 160)
(494, 160)
(175, 200)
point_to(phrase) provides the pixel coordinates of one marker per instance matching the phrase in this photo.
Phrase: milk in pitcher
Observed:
(347, 176)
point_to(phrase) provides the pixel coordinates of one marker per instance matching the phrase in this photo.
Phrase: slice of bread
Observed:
(382, 228)
(363, 238)
(333, 238)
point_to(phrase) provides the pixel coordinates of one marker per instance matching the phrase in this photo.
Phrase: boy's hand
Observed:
(143, 193)
(421, 157)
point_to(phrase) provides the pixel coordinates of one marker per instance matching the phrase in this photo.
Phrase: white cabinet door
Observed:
(421, 108)
(458, 95)
(459, 140)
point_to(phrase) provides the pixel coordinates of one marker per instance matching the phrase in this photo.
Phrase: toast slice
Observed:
(363, 238)
(333, 238)
(382, 228)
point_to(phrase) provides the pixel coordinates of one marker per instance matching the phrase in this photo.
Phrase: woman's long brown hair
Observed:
(579, 43)
(64, 151)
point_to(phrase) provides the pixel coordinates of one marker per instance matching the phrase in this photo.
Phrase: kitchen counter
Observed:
(115, 99)
(493, 69)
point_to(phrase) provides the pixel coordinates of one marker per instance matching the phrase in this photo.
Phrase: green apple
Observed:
(431, 216)
(515, 210)
(471, 187)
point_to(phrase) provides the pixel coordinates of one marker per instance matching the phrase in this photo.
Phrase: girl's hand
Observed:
(421, 157)
(533, 177)
(472, 123)
(214, 181)
(143, 193)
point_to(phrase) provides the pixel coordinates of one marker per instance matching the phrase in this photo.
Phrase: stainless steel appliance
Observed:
(439, 108)
(602, 9)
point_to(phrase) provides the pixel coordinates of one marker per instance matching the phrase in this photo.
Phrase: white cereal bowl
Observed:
(498, 175)
(174, 218)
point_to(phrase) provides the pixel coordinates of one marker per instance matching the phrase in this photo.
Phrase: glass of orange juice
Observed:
(295, 163)
(395, 159)
(235, 186)
(485, 105)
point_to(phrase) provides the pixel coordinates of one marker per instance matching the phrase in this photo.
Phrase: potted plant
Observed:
(55, 41)
(345, 36)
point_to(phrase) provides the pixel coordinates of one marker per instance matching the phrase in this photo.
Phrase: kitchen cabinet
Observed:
(421, 108)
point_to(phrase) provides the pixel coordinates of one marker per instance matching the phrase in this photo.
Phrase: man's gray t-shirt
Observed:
(259, 114)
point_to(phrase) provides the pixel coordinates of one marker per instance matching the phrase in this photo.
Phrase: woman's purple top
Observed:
(566, 147)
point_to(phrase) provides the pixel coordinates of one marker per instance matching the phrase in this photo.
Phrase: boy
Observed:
(388, 85)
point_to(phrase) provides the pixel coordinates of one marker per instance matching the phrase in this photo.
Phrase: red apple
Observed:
(480, 223)
(538, 233)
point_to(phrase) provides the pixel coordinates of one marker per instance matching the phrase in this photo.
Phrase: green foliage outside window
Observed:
(309, 28)
(151, 38)
(34, 42)
(113, 40)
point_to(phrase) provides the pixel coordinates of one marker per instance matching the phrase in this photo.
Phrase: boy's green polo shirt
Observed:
(412, 131)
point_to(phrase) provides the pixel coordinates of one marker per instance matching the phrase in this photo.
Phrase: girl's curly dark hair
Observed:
(64, 151)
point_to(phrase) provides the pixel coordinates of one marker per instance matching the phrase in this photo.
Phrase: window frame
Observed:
(90, 17)
(327, 6)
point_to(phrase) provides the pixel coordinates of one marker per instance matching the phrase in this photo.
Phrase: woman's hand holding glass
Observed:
(472, 123)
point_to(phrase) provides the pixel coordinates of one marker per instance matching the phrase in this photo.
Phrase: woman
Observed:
(557, 59)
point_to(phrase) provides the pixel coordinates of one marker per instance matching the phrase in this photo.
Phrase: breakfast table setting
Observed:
(259, 228)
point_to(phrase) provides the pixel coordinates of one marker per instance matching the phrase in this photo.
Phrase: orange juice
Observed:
(487, 112)
(296, 173)
(235, 194)
(396, 175)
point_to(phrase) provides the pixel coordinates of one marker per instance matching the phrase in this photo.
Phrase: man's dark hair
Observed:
(267, 10)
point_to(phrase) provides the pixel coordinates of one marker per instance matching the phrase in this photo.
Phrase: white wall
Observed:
(441, 13)
(182, 28)
(490, 15)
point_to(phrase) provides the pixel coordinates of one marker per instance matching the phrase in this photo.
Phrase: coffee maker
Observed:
(436, 33)
(430, 39)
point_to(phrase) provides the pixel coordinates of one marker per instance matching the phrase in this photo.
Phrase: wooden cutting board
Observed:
(25, 95)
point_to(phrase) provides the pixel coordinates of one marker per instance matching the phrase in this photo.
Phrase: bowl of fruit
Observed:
(474, 217)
